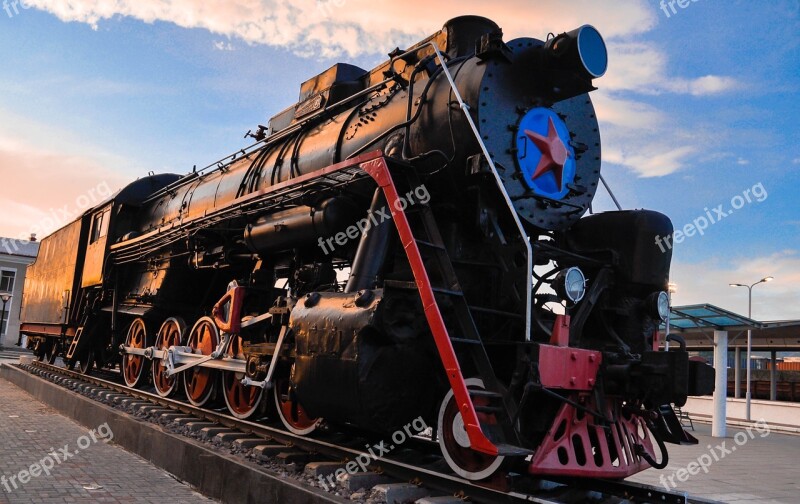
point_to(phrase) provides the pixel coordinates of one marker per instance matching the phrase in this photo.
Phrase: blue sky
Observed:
(695, 109)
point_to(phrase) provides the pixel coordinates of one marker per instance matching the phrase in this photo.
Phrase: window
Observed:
(7, 280)
(99, 226)
(6, 286)
(6, 314)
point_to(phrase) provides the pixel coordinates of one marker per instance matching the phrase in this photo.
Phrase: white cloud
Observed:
(707, 282)
(642, 68)
(707, 85)
(627, 113)
(353, 27)
(221, 45)
(638, 138)
(650, 160)
(641, 137)
(742, 161)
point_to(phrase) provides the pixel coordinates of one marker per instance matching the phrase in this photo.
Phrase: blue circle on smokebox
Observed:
(529, 155)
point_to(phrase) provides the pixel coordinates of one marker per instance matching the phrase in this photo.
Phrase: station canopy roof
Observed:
(706, 316)
(697, 323)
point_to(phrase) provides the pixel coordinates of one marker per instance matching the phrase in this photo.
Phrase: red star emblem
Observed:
(554, 153)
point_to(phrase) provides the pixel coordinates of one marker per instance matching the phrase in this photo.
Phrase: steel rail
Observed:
(399, 470)
(402, 471)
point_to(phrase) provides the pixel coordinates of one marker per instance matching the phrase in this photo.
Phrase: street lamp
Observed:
(750, 336)
(5, 297)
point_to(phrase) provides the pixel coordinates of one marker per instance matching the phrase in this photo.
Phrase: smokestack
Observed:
(33, 237)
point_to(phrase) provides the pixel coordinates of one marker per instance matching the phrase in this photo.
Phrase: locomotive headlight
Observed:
(658, 304)
(570, 284)
(580, 49)
(592, 50)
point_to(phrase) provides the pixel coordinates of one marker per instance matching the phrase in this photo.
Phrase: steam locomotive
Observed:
(403, 242)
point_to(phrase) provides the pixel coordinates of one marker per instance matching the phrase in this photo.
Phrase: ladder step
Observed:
(488, 409)
(429, 244)
(447, 292)
(465, 341)
(400, 284)
(512, 451)
(74, 342)
(484, 393)
(492, 311)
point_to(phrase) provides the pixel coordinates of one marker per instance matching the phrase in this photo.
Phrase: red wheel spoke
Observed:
(199, 381)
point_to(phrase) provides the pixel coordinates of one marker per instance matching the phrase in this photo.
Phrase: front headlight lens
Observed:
(659, 305)
(570, 284)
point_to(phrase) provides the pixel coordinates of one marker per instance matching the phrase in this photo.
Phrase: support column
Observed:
(737, 373)
(718, 420)
(773, 376)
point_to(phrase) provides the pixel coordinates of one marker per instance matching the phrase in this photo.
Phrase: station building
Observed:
(15, 257)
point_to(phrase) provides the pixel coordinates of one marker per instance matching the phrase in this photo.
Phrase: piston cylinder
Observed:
(300, 226)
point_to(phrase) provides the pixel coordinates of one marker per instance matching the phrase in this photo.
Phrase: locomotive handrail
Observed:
(523, 234)
(278, 135)
(254, 196)
(281, 134)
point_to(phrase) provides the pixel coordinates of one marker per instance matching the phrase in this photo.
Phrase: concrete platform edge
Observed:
(743, 424)
(215, 475)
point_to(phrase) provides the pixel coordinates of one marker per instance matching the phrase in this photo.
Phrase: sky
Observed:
(698, 108)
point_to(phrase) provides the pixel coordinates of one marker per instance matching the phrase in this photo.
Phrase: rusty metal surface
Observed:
(46, 330)
(53, 280)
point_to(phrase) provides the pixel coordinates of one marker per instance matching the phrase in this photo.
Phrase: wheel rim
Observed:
(133, 366)
(170, 334)
(198, 382)
(52, 353)
(242, 400)
(454, 441)
(87, 362)
(290, 411)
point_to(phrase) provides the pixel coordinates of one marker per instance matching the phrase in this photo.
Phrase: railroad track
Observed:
(418, 461)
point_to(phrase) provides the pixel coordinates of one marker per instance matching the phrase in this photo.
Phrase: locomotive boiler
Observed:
(405, 242)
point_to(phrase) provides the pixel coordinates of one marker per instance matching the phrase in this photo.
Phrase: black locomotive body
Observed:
(394, 246)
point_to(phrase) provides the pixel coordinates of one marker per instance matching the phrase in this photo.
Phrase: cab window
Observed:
(99, 226)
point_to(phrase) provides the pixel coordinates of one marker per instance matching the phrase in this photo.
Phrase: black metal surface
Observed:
(373, 246)
(300, 226)
(632, 237)
(52, 282)
(506, 94)
(348, 369)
